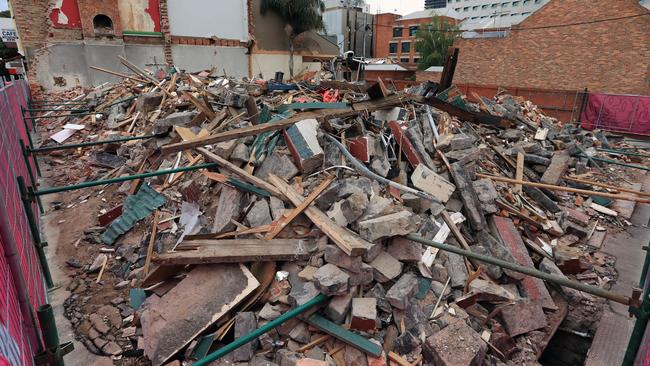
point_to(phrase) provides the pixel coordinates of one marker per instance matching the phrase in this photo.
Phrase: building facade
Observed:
(395, 36)
(604, 47)
(349, 24)
(63, 38)
(503, 10)
(435, 4)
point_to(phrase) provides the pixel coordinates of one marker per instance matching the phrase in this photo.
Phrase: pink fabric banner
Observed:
(617, 113)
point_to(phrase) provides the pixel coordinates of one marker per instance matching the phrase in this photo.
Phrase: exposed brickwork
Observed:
(164, 28)
(91, 8)
(199, 41)
(607, 56)
(383, 36)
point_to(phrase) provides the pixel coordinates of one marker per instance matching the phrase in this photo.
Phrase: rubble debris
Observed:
(312, 189)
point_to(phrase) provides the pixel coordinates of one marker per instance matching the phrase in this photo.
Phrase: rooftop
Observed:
(427, 13)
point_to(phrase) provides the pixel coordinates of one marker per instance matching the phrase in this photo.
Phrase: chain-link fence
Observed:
(18, 336)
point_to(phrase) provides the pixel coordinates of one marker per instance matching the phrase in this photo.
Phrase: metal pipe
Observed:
(90, 143)
(614, 162)
(27, 198)
(61, 115)
(120, 179)
(560, 280)
(642, 315)
(622, 152)
(261, 330)
(30, 110)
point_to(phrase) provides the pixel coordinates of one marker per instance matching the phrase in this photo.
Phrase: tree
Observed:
(433, 40)
(299, 16)
(5, 14)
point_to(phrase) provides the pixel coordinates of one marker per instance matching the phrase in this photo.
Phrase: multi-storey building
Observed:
(506, 11)
(435, 4)
(349, 24)
(395, 36)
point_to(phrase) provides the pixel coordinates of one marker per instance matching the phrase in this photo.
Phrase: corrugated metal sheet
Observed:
(136, 208)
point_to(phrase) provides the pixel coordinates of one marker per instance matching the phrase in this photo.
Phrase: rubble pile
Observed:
(325, 189)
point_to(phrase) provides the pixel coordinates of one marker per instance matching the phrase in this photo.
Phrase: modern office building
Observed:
(435, 4)
(503, 12)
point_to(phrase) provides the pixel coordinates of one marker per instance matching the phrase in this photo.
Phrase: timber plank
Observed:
(236, 251)
(350, 243)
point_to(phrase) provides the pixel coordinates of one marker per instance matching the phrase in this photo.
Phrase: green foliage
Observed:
(301, 15)
(5, 14)
(433, 40)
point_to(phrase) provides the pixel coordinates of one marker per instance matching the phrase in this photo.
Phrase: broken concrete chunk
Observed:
(378, 292)
(277, 207)
(401, 293)
(556, 170)
(405, 250)
(300, 333)
(331, 280)
(522, 317)
(365, 277)
(278, 164)
(301, 138)
(229, 207)
(339, 258)
(148, 102)
(301, 292)
(338, 307)
(364, 314)
(487, 194)
(455, 345)
(468, 196)
(270, 312)
(428, 181)
(259, 214)
(175, 119)
(456, 269)
(399, 223)
(245, 323)
(488, 291)
(386, 267)
(462, 142)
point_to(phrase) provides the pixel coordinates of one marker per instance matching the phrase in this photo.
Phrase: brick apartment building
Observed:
(62, 38)
(602, 45)
(395, 35)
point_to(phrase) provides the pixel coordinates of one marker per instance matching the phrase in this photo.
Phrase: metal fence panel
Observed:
(13, 323)
(617, 113)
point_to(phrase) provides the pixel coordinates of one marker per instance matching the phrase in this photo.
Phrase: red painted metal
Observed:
(407, 148)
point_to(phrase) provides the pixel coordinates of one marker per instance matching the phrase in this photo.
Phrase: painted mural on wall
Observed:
(140, 15)
(135, 15)
(65, 14)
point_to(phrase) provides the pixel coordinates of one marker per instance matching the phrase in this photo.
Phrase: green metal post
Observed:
(623, 152)
(62, 115)
(261, 330)
(54, 352)
(30, 110)
(560, 280)
(32, 180)
(26, 196)
(121, 179)
(614, 162)
(591, 160)
(28, 131)
(642, 315)
(90, 143)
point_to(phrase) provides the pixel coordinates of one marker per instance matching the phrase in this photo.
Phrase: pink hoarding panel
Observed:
(617, 113)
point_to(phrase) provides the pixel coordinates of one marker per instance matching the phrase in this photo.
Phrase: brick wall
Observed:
(610, 56)
(31, 22)
(91, 8)
(383, 33)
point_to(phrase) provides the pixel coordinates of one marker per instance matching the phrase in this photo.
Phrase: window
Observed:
(484, 6)
(475, 7)
(413, 30)
(405, 60)
(526, 2)
(493, 16)
(514, 14)
(483, 16)
(538, 1)
(504, 15)
(397, 32)
(504, 5)
(416, 60)
(102, 24)
(406, 47)
(515, 3)
(466, 8)
(392, 47)
(457, 9)
(493, 6)
(474, 18)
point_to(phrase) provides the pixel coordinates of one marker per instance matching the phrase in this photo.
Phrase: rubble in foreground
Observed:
(319, 189)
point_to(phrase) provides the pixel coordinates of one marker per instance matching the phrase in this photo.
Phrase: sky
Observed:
(401, 7)
(3, 5)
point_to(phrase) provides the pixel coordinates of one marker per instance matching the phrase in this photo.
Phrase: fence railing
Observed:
(22, 287)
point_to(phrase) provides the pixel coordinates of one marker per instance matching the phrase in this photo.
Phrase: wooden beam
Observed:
(519, 173)
(473, 117)
(245, 176)
(282, 222)
(200, 106)
(350, 243)
(119, 74)
(152, 240)
(603, 185)
(236, 251)
(565, 189)
(357, 108)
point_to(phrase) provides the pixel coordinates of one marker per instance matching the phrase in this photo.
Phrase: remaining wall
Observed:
(610, 56)
(208, 18)
(267, 65)
(194, 58)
